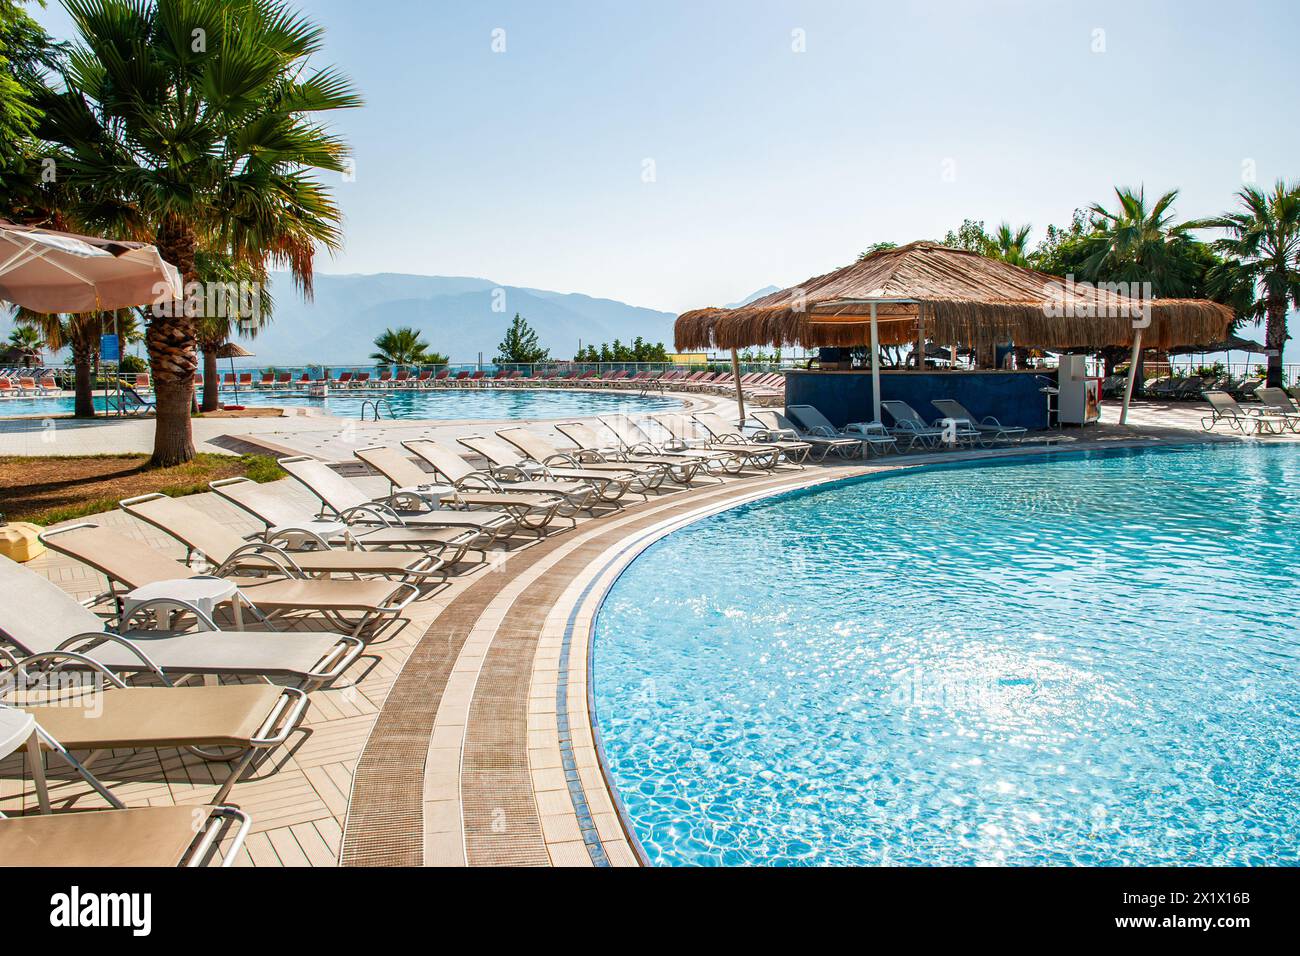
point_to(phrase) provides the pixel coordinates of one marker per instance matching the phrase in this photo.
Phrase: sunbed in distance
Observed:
(681, 471)
(908, 424)
(542, 448)
(725, 433)
(129, 564)
(774, 425)
(1224, 408)
(683, 436)
(989, 427)
(286, 522)
(634, 439)
(506, 462)
(227, 552)
(342, 498)
(182, 836)
(37, 616)
(574, 496)
(230, 723)
(533, 511)
(874, 434)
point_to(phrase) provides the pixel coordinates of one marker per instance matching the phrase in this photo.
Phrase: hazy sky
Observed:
(768, 165)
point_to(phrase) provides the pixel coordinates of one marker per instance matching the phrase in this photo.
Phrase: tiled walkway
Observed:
(463, 736)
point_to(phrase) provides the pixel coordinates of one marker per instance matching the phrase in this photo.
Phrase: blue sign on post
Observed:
(109, 349)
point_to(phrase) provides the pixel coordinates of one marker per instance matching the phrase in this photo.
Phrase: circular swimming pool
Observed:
(432, 404)
(1088, 660)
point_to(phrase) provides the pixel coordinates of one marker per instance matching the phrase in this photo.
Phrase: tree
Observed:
(403, 346)
(196, 115)
(1137, 244)
(970, 235)
(28, 342)
(1011, 245)
(520, 346)
(1262, 251)
(80, 335)
(876, 247)
(241, 304)
(27, 54)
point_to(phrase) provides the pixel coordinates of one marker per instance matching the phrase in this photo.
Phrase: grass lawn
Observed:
(54, 489)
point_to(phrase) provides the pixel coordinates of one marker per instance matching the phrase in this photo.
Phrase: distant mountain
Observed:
(766, 290)
(456, 315)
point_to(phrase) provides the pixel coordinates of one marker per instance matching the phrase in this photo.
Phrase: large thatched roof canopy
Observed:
(957, 297)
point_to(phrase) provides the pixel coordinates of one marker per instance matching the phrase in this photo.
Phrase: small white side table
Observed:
(202, 591)
(18, 729)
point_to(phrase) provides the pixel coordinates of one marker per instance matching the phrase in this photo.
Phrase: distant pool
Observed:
(1088, 660)
(432, 404)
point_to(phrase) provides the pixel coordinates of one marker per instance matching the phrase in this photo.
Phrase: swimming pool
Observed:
(1089, 660)
(433, 404)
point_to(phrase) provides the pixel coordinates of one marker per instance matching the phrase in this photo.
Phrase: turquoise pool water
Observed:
(1082, 661)
(435, 404)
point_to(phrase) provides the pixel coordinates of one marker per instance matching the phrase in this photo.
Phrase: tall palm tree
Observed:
(197, 113)
(403, 346)
(1012, 245)
(1262, 249)
(1139, 244)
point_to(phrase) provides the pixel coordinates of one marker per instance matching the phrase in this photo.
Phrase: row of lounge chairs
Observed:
(755, 385)
(27, 385)
(1277, 412)
(357, 561)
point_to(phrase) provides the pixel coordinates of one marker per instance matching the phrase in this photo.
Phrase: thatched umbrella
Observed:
(924, 290)
(232, 351)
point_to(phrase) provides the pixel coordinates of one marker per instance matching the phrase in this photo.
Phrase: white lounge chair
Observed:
(38, 617)
(988, 426)
(773, 425)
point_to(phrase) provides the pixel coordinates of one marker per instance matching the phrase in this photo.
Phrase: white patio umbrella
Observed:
(49, 271)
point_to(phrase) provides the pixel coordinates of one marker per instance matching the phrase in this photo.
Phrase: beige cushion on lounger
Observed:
(315, 593)
(144, 836)
(226, 715)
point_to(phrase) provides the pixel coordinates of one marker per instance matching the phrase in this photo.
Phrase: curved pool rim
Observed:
(684, 403)
(630, 551)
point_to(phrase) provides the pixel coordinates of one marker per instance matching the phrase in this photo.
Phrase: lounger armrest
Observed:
(401, 604)
(562, 458)
(511, 472)
(479, 481)
(218, 823)
(276, 556)
(75, 657)
(284, 716)
(175, 604)
(339, 658)
(87, 642)
(283, 535)
(376, 510)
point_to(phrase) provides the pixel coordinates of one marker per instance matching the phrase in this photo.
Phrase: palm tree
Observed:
(403, 346)
(1011, 246)
(28, 342)
(197, 113)
(1137, 244)
(228, 278)
(1262, 249)
(80, 335)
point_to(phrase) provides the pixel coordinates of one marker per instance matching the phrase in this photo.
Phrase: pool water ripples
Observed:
(1086, 660)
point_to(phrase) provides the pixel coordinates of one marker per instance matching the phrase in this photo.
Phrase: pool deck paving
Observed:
(464, 735)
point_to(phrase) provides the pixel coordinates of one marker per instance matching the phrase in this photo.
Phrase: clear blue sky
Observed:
(526, 166)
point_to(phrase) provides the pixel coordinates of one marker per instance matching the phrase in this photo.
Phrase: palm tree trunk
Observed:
(1275, 340)
(211, 385)
(173, 356)
(82, 357)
